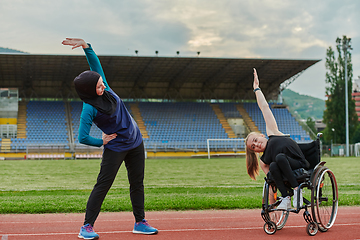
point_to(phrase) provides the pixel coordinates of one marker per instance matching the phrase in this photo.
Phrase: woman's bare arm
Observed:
(271, 125)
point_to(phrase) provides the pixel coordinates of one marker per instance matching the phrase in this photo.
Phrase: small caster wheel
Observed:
(270, 228)
(312, 228)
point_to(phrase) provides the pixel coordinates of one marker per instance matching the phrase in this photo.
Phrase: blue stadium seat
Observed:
(45, 123)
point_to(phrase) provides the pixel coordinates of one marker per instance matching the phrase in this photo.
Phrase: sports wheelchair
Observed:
(321, 208)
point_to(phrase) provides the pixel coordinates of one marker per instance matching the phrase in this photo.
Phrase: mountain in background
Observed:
(304, 106)
(8, 50)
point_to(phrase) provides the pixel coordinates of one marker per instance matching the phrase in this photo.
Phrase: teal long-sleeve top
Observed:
(120, 122)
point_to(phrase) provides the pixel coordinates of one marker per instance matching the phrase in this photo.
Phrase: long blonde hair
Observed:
(252, 164)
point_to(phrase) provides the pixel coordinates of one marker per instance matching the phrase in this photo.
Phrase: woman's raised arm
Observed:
(91, 56)
(271, 125)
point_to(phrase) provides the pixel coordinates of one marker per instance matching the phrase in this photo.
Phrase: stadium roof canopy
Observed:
(134, 77)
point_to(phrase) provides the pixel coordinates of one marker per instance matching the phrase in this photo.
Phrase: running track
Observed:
(199, 225)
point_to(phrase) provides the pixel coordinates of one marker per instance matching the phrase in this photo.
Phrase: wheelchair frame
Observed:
(323, 203)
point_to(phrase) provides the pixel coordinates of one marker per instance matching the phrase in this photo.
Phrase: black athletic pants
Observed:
(283, 166)
(111, 162)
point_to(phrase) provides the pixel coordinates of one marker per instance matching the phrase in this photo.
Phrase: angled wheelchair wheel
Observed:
(325, 200)
(277, 217)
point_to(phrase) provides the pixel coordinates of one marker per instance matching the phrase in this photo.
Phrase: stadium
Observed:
(184, 107)
(182, 171)
(187, 109)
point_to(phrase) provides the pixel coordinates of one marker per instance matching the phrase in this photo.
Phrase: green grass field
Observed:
(54, 186)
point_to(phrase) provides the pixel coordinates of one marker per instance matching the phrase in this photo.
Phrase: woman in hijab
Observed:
(121, 139)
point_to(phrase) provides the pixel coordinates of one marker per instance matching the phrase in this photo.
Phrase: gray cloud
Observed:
(231, 28)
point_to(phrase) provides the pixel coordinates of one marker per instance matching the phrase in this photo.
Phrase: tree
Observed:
(334, 114)
(356, 135)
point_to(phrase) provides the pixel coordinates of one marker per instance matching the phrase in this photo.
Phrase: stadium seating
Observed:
(45, 125)
(177, 126)
(287, 124)
(180, 125)
(229, 110)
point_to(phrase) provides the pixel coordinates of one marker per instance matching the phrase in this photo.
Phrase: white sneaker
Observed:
(295, 198)
(285, 203)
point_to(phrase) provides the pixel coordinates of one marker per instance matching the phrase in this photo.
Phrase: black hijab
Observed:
(85, 86)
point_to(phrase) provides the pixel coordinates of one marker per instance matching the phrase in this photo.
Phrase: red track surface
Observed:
(209, 224)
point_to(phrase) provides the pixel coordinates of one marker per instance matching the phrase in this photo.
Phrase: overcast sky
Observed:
(271, 29)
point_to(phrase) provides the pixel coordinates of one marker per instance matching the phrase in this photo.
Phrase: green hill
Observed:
(304, 106)
(8, 50)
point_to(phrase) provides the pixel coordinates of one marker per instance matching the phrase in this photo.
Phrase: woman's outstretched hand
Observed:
(107, 138)
(75, 42)
(256, 80)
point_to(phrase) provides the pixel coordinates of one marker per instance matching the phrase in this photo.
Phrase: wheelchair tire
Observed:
(324, 198)
(322, 229)
(270, 228)
(312, 228)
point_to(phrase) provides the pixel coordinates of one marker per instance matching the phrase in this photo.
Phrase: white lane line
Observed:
(167, 230)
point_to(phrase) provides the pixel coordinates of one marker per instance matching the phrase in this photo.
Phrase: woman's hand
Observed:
(107, 138)
(75, 42)
(256, 80)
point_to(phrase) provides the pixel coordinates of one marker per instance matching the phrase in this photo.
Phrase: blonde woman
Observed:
(281, 154)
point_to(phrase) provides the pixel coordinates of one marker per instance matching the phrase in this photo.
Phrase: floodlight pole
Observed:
(345, 47)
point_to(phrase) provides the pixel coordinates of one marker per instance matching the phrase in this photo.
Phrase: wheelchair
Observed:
(320, 203)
